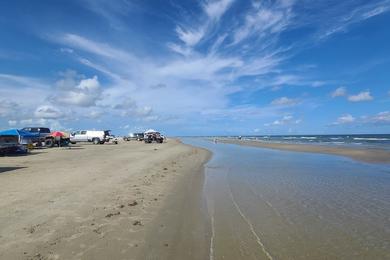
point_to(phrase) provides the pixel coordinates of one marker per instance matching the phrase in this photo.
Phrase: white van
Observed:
(96, 137)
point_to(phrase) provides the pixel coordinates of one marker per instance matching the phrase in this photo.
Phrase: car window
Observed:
(83, 132)
(44, 130)
(34, 130)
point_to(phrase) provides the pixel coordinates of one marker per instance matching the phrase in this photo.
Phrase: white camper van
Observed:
(96, 137)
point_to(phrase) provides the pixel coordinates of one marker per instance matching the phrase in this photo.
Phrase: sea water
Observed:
(270, 204)
(362, 140)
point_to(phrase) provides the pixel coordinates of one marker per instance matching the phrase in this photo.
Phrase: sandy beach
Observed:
(362, 154)
(126, 201)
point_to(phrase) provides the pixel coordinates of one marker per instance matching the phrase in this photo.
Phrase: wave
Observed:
(371, 139)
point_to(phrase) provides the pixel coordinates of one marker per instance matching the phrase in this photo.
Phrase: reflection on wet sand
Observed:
(268, 204)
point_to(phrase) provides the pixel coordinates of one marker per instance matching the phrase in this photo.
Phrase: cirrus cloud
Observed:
(285, 101)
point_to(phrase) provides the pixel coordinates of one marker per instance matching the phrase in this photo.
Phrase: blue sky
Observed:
(212, 67)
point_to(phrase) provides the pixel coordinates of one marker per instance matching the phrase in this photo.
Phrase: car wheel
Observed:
(95, 140)
(49, 143)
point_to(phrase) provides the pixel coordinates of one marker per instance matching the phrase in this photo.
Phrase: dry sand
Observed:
(362, 154)
(125, 201)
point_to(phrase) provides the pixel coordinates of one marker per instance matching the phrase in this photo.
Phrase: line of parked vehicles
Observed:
(148, 137)
(44, 136)
(21, 140)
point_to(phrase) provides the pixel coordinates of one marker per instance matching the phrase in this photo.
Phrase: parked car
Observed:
(96, 137)
(42, 134)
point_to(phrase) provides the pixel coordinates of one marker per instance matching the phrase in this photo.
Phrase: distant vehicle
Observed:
(153, 136)
(96, 137)
(139, 136)
(134, 136)
(42, 133)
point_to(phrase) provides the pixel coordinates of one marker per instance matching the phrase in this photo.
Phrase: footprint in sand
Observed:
(137, 223)
(112, 214)
(132, 204)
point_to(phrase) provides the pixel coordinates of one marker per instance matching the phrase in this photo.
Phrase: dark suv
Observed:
(42, 132)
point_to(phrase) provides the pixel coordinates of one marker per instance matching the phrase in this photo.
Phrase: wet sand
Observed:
(362, 154)
(126, 201)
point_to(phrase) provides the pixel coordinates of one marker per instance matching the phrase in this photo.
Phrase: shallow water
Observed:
(269, 204)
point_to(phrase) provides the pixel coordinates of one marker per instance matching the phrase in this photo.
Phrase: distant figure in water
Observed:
(215, 140)
(239, 138)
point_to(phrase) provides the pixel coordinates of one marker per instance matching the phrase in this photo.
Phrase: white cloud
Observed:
(67, 50)
(216, 8)
(12, 122)
(8, 108)
(337, 23)
(128, 107)
(100, 68)
(202, 68)
(94, 114)
(21, 82)
(112, 11)
(48, 112)
(317, 83)
(23, 95)
(362, 96)
(264, 20)
(285, 101)
(279, 80)
(183, 50)
(75, 92)
(339, 92)
(285, 120)
(345, 119)
(53, 124)
(190, 36)
(102, 49)
(380, 118)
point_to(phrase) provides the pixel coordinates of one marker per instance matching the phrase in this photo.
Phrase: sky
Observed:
(207, 67)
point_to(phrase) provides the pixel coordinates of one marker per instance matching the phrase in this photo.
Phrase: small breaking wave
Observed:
(371, 139)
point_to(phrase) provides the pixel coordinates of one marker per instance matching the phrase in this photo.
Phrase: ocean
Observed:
(271, 204)
(366, 140)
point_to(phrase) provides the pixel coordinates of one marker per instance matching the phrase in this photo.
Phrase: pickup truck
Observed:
(42, 134)
(96, 137)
